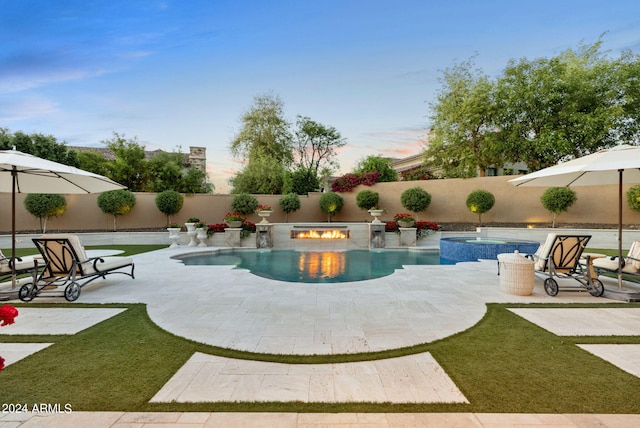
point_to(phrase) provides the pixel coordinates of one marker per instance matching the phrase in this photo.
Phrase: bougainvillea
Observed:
(349, 181)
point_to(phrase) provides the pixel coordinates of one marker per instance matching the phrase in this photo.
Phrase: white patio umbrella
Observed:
(618, 165)
(24, 173)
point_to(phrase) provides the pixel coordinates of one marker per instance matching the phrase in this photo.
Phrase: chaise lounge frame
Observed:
(66, 265)
(559, 258)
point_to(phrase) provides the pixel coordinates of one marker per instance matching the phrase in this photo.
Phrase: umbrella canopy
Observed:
(25, 173)
(618, 165)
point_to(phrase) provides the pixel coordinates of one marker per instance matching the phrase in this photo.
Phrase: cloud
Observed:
(25, 108)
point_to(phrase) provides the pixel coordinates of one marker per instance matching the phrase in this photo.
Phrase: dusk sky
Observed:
(180, 73)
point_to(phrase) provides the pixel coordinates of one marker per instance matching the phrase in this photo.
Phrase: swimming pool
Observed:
(316, 266)
(472, 249)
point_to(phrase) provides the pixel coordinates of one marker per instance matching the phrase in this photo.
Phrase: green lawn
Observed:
(129, 250)
(502, 364)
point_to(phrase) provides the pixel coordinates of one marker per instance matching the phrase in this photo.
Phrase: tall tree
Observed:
(316, 145)
(130, 166)
(43, 146)
(265, 132)
(562, 107)
(463, 143)
(264, 174)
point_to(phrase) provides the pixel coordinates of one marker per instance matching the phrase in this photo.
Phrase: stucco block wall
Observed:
(595, 205)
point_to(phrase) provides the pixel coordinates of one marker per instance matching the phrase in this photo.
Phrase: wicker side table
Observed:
(516, 274)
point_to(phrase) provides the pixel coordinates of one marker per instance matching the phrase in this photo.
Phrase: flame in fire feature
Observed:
(327, 234)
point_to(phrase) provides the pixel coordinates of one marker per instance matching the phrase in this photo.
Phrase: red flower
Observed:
(7, 314)
(1, 363)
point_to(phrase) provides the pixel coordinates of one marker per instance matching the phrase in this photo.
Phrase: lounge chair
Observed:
(66, 265)
(559, 257)
(23, 265)
(630, 264)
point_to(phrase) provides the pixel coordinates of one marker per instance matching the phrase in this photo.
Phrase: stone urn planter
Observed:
(174, 236)
(406, 223)
(376, 214)
(234, 223)
(202, 236)
(264, 214)
(191, 232)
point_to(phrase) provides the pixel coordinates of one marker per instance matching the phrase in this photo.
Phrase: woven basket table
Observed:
(516, 274)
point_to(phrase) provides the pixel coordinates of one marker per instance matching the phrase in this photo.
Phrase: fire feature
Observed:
(320, 234)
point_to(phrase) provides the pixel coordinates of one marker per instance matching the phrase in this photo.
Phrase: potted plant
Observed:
(264, 211)
(174, 233)
(233, 219)
(404, 220)
(202, 233)
(368, 200)
(190, 224)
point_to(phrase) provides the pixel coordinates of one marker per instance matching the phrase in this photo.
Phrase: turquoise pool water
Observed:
(317, 266)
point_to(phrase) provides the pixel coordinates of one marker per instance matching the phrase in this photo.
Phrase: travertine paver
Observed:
(625, 356)
(235, 309)
(410, 379)
(584, 321)
(57, 320)
(13, 352)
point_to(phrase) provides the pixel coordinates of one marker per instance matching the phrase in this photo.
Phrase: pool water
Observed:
(317, 266)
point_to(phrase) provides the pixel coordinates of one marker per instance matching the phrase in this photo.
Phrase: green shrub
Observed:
(169, 202)
(479, 202)
(116, 202)
(415, 199)
(244, 203)
(44, 206)
(289, 203)
(367, 199)
(633, 198)
(331, 203)
(557, 200)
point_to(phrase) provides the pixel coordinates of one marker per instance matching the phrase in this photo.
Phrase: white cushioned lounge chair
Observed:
(630, 264)
(67, 265)
(23, 265)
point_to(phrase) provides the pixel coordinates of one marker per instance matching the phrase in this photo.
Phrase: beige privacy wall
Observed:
(596, 205)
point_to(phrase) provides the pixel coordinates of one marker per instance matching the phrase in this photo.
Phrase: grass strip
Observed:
(502, 364)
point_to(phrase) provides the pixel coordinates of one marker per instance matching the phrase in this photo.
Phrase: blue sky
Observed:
(176, 73)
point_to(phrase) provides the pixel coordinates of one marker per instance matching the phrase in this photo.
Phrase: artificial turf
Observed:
(502, 364)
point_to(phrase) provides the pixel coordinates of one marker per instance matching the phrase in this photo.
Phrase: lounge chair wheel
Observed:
(551, 287)
(25, 293)
(72, 292)
(597, 288)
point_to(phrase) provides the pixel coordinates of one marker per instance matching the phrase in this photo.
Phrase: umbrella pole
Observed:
(620, 229)
(14, 174)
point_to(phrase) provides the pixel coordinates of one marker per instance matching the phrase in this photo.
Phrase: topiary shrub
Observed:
(244, 203)
(633, 198)
(415, 199)
(116, 202)
(44, 206)
(557, 200)
(289, 203)
(479, 202)
(331, 203)
(367, 199)
(169, 202)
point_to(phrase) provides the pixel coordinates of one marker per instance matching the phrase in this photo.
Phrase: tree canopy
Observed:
(539, 111)
(275, 156)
